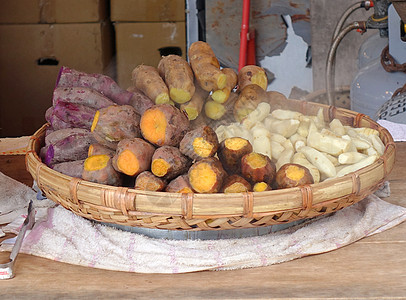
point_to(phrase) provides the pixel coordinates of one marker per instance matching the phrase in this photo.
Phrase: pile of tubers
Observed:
(187, 127)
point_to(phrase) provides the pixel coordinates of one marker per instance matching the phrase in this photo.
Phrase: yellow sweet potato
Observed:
(178, 76)
(168, 162)
(199, 143)
(249, 98)
(206, 175)
(206, 67)
(99, 169)
(252, 74)
(149, 182)
(147, 80)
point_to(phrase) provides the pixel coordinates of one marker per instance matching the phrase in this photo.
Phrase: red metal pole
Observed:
(244, 34)
(251, 55)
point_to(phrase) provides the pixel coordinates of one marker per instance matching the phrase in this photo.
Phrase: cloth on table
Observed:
(63, 236)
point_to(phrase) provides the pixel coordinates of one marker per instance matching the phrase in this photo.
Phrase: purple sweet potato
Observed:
(78, 115)
(115, 123)
(81, 95)
(54, 121)
(102, 83)
(73, 147)
(61, 134)
(70, 168)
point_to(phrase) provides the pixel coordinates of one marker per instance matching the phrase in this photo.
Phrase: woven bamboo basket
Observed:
(196, 212)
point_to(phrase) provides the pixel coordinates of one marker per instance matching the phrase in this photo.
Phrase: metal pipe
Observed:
(330, 85)
(345, 16)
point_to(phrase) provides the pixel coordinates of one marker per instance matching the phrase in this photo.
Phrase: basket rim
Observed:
(245, 204)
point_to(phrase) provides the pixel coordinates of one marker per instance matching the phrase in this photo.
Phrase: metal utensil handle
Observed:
(7, 269)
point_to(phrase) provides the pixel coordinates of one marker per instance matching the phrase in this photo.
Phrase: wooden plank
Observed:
(372, 268)
(14, 167)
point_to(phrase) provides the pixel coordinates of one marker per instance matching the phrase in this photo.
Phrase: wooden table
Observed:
(372, 268)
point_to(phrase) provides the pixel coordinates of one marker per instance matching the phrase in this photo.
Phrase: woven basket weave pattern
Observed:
(172, 211)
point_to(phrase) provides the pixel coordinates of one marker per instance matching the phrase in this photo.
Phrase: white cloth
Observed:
(63, 236)
(397, 130)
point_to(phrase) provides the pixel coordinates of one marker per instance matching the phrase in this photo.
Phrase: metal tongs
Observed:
(7, 269)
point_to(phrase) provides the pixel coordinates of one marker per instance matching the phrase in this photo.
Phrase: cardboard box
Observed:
(52, 11)
(147, 10)
(145, 43)
(30, 58)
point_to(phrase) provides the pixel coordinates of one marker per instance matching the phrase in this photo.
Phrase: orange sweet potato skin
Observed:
(178, 162)
(107, 175)
(231, 159)
(149, 182)
(235, 178)
(176, 125)
(253, 174)
(141, 149)
(283, 181)
(216, 167)
(190, 148)
(179, 185)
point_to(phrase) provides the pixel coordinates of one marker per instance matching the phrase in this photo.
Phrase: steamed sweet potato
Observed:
(77, 115)
(139, 100)
(235, 184)
(206, 175)
(70, 168)
(115, 123)
(199, 143)
(193, 108)
(261, 187)
(99, 169)
(230, 152)
(221, 112)
(252, 74)
(80, 95)
(147, 80)
(149, 182)
(97, 149)
(206, 67)
(133, 156)
(178, 76)
(54, 121)
(102, 83)
(292, 175)
(164, 124)
(168, 162)
(248, 100)
(257, 167)
(179, 185)
(70, 148)
(61, 134)
(222, 95)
